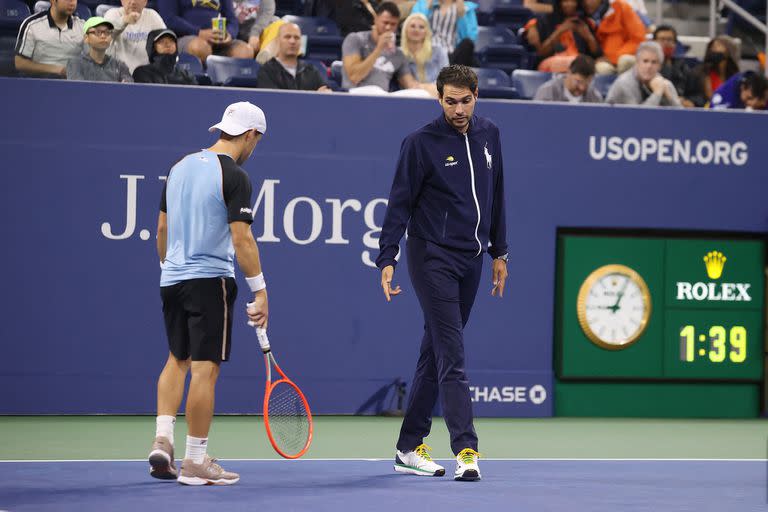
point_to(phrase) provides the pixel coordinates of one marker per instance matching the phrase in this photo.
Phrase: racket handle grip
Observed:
(261, 334)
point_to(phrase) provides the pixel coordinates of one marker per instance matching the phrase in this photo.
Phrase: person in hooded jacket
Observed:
(163, 55)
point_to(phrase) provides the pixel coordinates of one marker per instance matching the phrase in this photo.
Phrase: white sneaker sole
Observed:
(408, 470)
(193, 480)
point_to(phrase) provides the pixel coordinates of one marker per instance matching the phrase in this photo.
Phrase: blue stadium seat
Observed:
(526, 82)
(192, 65)
(496, 47)
(336, 68)
(12, 13)
(283, 7)
(603, 82)
(323, 37)
(7, 53)
(511, 13)
(232, 72)
(484, 12)
(102, 9)
(494, 83)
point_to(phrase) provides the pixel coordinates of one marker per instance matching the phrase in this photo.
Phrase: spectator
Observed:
(748, 90)
(254, 16)
(573, 87)
(191, 21)
(285, 70)
(133, 22)
(372, 58)
(95, 65)
(163, 55)
(538, 7)
(424, 59)
(686, 81)
(559, 37)
(619, 32)
(48, 39)
(720, 64)
(354, 15)
(643, 84)
(454, 27)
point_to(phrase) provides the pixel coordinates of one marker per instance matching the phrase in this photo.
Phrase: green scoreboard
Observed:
(659, 326)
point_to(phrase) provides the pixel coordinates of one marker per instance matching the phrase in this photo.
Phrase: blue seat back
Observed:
(526, 82)
(12, 14)
(314, 26)
(493, 36)
(489, 78)
(602, 83)
(232, 72)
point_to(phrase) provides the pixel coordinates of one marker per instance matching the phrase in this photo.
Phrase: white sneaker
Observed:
(417, 462)
(466, 465)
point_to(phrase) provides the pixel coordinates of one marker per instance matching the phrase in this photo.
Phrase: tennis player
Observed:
(449, 192)
(204, 221)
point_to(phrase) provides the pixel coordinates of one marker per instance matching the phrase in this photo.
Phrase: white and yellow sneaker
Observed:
(418, 462)
(466, 465)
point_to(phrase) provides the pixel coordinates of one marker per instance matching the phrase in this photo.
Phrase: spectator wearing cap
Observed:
(748, 90)
(573, 87)
(95, 65)
(191, 20)
(643, 84)
(48, 39)
(285, 70)
(163, 56)
(133, 22)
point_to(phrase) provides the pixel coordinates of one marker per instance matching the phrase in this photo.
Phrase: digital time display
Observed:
(718, 343)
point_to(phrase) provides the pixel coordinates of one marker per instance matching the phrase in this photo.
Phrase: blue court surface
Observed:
(371, 485)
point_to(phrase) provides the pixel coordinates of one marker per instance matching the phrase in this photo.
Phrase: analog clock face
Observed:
(614, 306)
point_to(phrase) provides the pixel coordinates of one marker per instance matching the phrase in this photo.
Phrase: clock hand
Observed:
(619, 295)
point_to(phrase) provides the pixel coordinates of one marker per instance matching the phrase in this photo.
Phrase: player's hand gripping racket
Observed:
(287, 417)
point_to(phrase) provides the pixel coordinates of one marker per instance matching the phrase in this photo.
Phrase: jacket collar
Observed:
(70, 22)
(444, 126)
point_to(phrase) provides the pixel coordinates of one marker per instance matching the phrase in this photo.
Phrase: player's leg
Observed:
(209, 306)
(170, 384)
(412, 456)
(465, 446)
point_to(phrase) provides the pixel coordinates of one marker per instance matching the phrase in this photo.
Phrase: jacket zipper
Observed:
(474, 195)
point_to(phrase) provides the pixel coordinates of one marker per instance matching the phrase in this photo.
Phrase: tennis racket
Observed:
(287, 417)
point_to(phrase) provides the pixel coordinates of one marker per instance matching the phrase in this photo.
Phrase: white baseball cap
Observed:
(241, 117)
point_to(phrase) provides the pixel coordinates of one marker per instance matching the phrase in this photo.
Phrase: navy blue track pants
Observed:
(446, 284)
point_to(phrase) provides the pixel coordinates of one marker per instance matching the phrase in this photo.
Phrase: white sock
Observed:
(196, 449)
(164, 427)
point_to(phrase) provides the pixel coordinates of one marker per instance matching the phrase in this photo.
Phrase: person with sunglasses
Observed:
(94, 64)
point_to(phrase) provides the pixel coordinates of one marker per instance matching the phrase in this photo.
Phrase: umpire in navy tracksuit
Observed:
(448, 190)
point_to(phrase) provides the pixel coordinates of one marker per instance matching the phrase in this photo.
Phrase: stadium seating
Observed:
(336, 69)
(232, 72)
(192, 65)
(494, 83)
(7, 65)
(496, 48)
(603, 82)
(323, 37)
(82, 10)
(12, 13)
(526, 82)
(511, 14)
(102, 9)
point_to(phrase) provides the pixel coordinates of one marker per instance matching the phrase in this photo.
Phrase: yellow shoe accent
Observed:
(421, 450)
(467, 455)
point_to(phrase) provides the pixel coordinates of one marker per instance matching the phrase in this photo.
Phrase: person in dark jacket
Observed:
(163, 55)
(285, 70)
(448, 190)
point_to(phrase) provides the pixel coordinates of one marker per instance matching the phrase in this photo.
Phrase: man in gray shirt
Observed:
(573, 87)
(643, 84)
(372, 58)
(96, 65)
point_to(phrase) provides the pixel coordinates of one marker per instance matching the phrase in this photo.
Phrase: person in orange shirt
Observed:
(561, 36)
(619, 32)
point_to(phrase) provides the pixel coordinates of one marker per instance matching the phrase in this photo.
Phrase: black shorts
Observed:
(198, 318)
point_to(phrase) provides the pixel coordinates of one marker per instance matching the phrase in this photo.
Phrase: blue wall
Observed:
(82, 330)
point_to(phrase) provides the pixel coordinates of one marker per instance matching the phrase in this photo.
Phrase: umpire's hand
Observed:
(386, 282)
(499, 276)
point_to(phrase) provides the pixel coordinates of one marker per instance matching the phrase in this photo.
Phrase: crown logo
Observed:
(714, 261)
(450, 159)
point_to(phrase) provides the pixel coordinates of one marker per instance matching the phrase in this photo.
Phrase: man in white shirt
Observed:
(133, 22)
(48, 39)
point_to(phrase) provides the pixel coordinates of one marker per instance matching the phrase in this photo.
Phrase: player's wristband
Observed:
(256, 283)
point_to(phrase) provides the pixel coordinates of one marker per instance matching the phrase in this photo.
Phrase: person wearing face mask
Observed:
(720, 64)
(686, 81)
(162, 69)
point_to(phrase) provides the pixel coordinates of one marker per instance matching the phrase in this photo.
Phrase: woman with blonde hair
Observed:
(425, 59)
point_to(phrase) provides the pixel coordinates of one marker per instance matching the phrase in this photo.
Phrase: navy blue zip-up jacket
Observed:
(448, 189)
